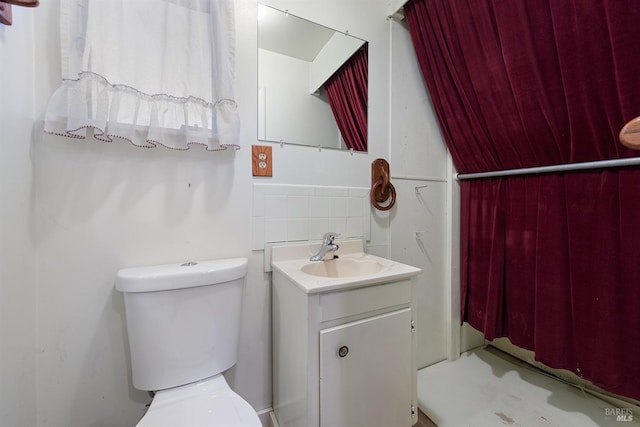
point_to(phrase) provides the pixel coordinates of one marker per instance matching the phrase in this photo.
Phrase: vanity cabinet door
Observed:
(366, 372)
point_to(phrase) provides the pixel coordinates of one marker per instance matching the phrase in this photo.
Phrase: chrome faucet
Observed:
(327, 246)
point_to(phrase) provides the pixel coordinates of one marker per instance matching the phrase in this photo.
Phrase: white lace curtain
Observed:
(153, 72)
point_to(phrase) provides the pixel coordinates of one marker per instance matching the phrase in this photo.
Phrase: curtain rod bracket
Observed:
(397, 16)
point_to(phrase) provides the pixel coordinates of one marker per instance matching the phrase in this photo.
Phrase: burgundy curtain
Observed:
(550, 261)
(347, 91)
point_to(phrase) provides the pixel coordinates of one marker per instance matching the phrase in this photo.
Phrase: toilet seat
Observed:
(209, 402)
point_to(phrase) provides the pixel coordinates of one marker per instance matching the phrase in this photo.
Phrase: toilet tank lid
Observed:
(180, 275)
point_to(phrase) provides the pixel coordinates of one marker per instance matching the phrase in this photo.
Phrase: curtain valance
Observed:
(153, 72)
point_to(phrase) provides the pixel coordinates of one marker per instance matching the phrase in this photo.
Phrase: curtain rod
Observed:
(553, 168)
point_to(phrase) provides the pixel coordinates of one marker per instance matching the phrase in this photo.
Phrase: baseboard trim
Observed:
(268, 418)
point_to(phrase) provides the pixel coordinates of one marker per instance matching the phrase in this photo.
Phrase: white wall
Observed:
(102, 207)
(17, 253)
(418, 224)
(424, 228)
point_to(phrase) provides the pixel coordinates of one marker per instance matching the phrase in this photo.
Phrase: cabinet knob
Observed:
(343, 351)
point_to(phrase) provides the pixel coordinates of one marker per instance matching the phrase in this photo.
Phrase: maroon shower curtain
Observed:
(550, 261)
(347, 91)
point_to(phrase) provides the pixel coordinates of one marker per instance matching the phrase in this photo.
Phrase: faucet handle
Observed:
(328, 237)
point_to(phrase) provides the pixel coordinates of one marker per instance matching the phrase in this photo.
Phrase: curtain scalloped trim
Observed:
(100, 135)
(144, 120)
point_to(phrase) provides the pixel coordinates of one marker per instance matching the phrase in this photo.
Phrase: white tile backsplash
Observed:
(297, 207)
(275, 207)
(275, 230)
(361, 192)
(338, 225)
(297, 229)
(338, 207)
(354, 206)
(353, 224)
(287, 213)
(318, 207)
(317, 228)
(332, 191)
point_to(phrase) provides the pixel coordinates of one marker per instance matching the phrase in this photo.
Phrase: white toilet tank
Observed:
(183, 320)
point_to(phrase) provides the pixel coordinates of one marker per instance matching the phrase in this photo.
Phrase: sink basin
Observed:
(342, 267)
(353, 269)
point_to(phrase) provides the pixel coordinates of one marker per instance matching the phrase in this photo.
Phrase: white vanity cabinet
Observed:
(343, 357)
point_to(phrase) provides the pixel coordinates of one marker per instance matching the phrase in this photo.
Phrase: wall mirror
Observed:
(312, 83)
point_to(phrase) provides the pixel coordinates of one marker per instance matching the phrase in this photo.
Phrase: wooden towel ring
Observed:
(630, 134)
(381, 187)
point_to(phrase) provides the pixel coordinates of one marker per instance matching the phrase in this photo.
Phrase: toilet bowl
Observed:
(183, 322)
(210, 402)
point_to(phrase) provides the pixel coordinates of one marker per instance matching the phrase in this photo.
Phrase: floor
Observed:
(487, 388)
(424, 420)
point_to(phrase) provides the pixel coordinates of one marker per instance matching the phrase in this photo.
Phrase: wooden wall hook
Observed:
(630, 134)
(381, 187)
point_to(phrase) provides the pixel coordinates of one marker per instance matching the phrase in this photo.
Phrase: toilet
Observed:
(183, 322)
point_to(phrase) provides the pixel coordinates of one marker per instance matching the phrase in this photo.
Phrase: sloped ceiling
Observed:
(290, 35)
